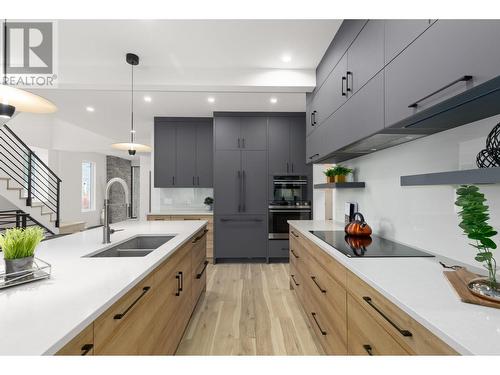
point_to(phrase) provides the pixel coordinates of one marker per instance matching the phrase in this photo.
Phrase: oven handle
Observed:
(292, 211)
(290, 182)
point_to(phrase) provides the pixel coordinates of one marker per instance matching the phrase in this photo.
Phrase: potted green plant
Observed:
(209, 201)
(475, 216)
(337, 173)
(18, 246)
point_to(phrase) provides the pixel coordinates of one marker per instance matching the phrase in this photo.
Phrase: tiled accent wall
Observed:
(118, 167)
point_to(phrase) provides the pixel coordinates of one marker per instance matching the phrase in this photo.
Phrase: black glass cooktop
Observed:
(367, 247)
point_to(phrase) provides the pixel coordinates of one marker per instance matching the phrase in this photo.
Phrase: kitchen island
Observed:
(42, 317)
(409, 298)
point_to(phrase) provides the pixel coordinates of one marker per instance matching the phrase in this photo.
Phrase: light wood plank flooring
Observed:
(248, 309)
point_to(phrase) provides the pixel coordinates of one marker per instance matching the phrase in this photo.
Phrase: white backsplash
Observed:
(420, 216)
(184, 198)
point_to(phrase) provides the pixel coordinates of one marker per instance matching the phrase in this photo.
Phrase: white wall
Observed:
(423, 216)
(68, 166)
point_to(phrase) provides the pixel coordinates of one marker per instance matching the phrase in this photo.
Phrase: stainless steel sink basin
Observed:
(138, 246)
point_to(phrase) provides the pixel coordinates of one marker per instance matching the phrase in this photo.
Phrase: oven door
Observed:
(278, 220)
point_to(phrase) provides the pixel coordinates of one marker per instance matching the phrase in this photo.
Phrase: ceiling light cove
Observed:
(90, 109)
(148, 99)
(286, 58)
(211, 99)
(273, 100)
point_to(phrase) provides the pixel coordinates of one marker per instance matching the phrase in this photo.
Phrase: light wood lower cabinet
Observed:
(210, 227)
(347, 315)
(150, 319)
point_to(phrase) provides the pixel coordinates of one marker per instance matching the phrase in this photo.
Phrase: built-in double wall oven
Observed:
(289, 203)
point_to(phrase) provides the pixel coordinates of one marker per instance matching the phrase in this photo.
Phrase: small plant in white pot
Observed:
(18, 246)
(209, 201)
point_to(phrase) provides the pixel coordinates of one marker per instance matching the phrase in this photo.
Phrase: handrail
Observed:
(22, 220)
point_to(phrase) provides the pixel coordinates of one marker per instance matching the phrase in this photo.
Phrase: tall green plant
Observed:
(20, 243)
(475, 216)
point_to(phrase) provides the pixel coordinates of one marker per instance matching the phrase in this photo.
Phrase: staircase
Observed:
(27, 182)
(19, 219)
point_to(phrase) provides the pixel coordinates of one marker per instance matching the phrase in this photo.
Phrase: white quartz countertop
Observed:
(41, 317)
(199, 212)
(418, 287)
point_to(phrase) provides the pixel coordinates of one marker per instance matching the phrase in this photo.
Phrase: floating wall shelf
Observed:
(340, 185)
(468, 176)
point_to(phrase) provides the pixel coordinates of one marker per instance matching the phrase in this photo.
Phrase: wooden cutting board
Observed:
(459, 279)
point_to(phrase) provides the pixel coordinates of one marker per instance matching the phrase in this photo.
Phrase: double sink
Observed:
(138, 246)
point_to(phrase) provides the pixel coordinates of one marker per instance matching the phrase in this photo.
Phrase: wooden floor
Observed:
(248, 309)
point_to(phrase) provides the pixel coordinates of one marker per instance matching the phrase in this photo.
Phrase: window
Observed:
(88, 186)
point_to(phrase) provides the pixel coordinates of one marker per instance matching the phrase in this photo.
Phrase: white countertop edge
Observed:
(92, 317)
(179, 212)
(330, 250)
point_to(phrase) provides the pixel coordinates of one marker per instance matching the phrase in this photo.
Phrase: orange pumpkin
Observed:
(358, 227)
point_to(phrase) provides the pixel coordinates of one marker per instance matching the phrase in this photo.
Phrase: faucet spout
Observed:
(106, 230)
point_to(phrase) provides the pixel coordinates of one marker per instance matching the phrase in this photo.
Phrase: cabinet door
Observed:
(254, 133)
(298, 147)
(279, 145)
(365, 57)
(362, 116)
(227, 133)
(278, 249)
(332, 94)
(186, 155)
(82, 344)
(254, 182)
(241, 237)
(227, 182)
(164, 155)
(315, 142)
(310, 124)
(204, 155)
(447, 51)
(400, 33)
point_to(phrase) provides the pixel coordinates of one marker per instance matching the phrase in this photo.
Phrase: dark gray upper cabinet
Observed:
(279, 145)
(430, 69)
(227, 133)
(310, 122)
(253, 133)
(298, 147)
(365, 57)
(254, 182)
(164, 155)
(339, 45)
(186, 155)
(183, 152)
(227, 181)
(400, 33)
(204, 155)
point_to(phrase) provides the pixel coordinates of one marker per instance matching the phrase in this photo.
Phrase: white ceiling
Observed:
(238, 62)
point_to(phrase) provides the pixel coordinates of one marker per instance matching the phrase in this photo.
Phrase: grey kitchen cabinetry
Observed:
(365, 57)
(436, 65)
(310, 122)
(278, 249)
(164, 155)
(241, 133)
(400, 33)
(287, 145)
(239, 237)
(183, 152)
(253, 182)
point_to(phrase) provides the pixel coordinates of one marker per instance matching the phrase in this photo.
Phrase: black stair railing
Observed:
(20, 219)
(21, 164)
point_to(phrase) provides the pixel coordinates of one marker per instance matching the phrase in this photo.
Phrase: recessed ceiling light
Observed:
(273, 100)
(147, 99)
(90, 109)
(373, 149)
(286, 58)
(211, 99)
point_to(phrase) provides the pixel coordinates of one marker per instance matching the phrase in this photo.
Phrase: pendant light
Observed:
(131, 146)
(13, 100)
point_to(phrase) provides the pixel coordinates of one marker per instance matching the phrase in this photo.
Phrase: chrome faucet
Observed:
(106, 230)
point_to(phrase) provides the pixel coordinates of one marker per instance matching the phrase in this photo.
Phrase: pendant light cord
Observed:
(132, 109)
(4, 80)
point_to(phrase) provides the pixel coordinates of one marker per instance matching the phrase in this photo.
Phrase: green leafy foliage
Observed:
(338, 170)
(19, 243)
(209, 200)
(475, 216)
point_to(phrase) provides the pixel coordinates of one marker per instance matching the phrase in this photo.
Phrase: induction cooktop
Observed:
(367, 247)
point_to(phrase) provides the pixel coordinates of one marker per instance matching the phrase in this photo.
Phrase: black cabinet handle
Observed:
(292, 167)
(315, 117)
(344, 80)
(287, 168)
(239, 143)
(205, 263)
(198, 180)
(122, 315)
(294, 281)
(461, 79)
(194, 180)
(404, 332)
(241, 220)
(86, 348)
(294, 234)
(243, 142)
(319, 286)
(239, 191)
(179, 285)
(173, 180)
(368, 349)
(314, 156)
(244, 191)
(293, 253)
(349, 88)
(320, 329)
(205, 231)
(311, 118)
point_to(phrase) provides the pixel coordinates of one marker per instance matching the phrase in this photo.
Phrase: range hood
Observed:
(475, 104)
